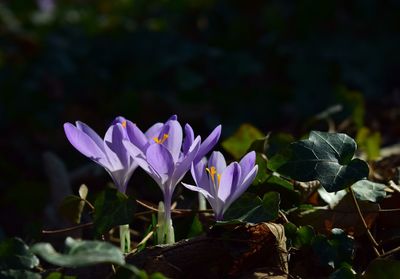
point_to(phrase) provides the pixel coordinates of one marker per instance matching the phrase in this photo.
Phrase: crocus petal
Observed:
(92, 134)
(116, 145)
(173, 117)
(136, 136)
(242, 187)
(229, 180)
(247, 163)
(209, 143)
(206, 194)
(174, 141)
(189, 138)
(137, 155)
(112, 156)
(182, 167)
(85, 144)
(118, 119)
(200, 175)
(217, 160)
(160, 159)
(154, 131)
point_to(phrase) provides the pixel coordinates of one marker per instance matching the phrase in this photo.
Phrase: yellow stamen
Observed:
(162, 140)
(212, 171)
(124, 123)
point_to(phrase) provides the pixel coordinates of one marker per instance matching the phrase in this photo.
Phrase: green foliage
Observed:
(15, 254)
(366, 190)
(239, 143)
(369, 142)
(18, 274)
(80, 253)
(326, 157)
(58, 275)
(112, 208)
(382, 269)
(299, 236)
(344, 272)
(252, 209)
(335, 250)
(196, 228)
(72, 208)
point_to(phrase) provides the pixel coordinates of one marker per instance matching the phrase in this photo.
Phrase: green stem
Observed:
(125, 238)
(202, 202)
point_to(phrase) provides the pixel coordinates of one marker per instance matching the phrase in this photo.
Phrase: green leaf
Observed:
(196, 228)
(252, 209)
(262, 173)
(382, 269)
(80, 253)
(19, 274)
(71, 208)
(112, 208)
(58, 275)
(15, 254)
(335, 251)
(369, 142)
(275, 179)
(344, 272)
(276, 142)
(304, 236)
(299, 237)
(238, 144)
(326, 157)
(366, 190)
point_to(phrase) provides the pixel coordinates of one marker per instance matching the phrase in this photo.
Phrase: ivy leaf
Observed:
(382, 268)
(15, 254)
(336, 250)
(19, 274)
(238, 144)
(80, 253)
(366, 190)
(112, 208)
(252, 209)
(326, 157)
(71, 208)
(58, 275)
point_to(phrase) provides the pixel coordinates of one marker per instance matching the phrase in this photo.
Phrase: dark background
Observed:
(274, 64)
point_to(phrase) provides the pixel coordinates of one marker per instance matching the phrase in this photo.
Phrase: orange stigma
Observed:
(124, 123)
(212, 171)
(161, 140)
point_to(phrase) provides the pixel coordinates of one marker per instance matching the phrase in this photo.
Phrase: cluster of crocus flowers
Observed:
(166, 156)
(166, 152)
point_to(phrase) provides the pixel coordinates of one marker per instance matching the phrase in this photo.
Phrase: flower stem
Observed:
(160, 223)
(125, 238)
(202, 202)
(168, 228)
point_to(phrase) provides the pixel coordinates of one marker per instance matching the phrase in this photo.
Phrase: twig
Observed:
(89, 204)
(390, 252)
(375, 245)
(81, 226)
(283, 215)
(146, 205)
(393, 186)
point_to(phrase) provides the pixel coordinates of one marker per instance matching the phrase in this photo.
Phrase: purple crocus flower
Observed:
(165, 155)
(220, 184)
(109, 152)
